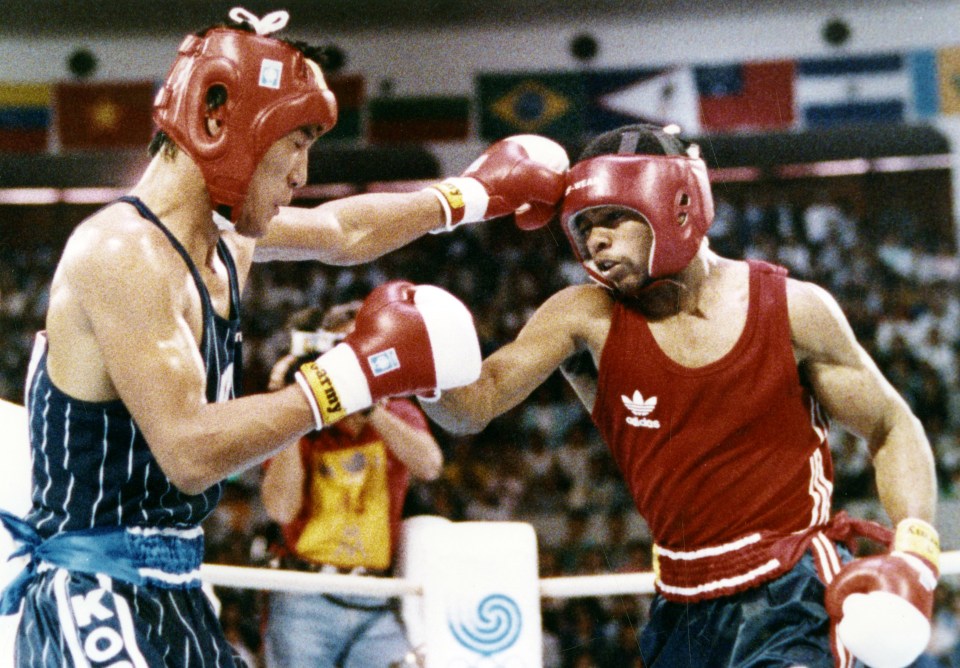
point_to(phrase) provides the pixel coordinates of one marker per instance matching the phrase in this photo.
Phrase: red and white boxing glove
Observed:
(407, 339)
(523, 174)
(884, 603)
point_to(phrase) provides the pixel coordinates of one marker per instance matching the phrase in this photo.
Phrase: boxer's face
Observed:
(619, 241)
(282, 169)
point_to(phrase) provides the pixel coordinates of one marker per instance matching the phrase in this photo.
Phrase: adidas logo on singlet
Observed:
(640, 408)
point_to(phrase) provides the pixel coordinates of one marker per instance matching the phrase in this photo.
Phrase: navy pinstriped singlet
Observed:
(91, 464)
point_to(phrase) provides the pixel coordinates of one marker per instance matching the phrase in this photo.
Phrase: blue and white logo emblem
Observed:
(270, 71)
(492, 627)
(384, 361)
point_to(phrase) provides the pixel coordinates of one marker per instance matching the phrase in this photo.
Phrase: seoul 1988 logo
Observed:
(492, 627)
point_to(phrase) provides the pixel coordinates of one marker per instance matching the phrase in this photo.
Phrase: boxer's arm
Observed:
(524, 175)
(851, 388)
(282, 485)
(881, 605)
(134, 297)
(509, 375)
(413, 445)
(351, 230)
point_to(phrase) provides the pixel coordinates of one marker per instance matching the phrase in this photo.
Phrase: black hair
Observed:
(312, 318)
(307, 319)
(637, 139)
(289, 376)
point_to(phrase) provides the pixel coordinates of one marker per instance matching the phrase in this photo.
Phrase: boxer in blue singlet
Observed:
(134, 423)
(96, 483)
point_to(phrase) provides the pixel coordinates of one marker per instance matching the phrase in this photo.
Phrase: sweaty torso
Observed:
(76, 359)
(141, 326)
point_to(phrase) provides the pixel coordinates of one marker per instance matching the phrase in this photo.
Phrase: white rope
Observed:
(574, 586)
(596, 585)
(243, 577)
(950, 563)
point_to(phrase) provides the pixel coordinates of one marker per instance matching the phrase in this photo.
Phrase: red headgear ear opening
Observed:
(270, 92)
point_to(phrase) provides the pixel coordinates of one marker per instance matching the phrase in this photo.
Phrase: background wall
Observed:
(443, 56)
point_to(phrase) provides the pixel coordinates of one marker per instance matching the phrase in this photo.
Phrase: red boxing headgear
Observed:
(670, 192)
(271, 89)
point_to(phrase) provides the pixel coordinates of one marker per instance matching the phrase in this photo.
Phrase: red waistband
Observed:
(720, 570)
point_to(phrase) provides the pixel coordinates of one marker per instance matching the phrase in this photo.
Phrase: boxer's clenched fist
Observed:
(408, 339)
(522, 174)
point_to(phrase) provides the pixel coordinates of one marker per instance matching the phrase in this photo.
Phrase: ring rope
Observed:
(574, 586)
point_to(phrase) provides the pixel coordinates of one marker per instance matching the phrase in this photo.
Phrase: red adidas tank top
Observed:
(724, 459)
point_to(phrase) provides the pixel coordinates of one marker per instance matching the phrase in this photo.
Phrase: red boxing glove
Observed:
(883, 604)
(523, 174)
(406, 340)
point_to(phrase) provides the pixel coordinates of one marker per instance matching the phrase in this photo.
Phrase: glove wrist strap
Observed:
(920, 538)
(464, 200)
(334, 385)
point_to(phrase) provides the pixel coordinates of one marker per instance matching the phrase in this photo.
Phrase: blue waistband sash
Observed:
(169, 558)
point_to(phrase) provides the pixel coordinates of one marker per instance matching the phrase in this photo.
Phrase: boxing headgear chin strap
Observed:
(271, 90)
(670, 192)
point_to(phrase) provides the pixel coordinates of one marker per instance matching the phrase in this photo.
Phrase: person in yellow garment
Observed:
(339, 497)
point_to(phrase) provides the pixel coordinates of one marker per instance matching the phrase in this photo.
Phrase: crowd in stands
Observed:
(543, 462)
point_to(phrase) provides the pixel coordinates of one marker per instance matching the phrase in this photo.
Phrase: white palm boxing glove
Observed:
(883, 604)
(407, 339)
(524, 175)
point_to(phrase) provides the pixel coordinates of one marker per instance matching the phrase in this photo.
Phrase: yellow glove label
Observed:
(918, 537)
(328, 401)
(451, 193)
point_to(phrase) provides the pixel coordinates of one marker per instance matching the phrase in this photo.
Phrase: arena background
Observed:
(425, 86)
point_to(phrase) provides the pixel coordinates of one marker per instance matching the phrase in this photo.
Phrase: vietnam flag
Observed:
(746, 96)
(104, 115)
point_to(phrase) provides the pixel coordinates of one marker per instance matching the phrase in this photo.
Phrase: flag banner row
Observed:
(569, 106)
(756, 96)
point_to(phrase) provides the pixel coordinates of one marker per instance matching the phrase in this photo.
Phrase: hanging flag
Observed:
(948, 79)
(104, 115)
(419, 119)
(746, 96)
(24, 117)
(855, 89)
(549, 104)
(926, 86)
(662, 96)
(350, 91)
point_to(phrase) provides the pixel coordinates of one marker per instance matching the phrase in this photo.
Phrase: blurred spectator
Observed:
(897, 254)
(581, 636)
(577, 541)
(338, 495)
(574, 453)
(853, 473)
(824, 219)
